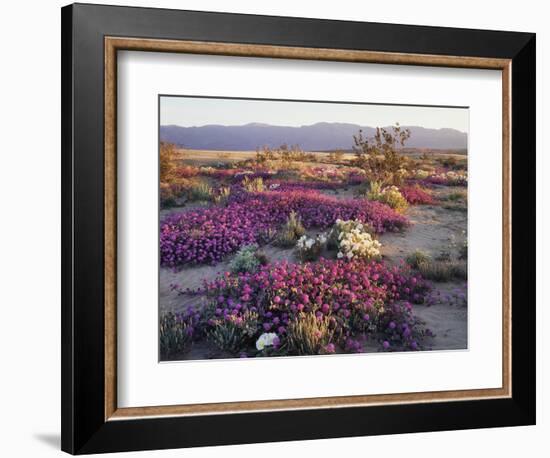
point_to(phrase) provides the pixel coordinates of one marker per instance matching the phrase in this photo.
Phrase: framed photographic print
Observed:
(281, 228)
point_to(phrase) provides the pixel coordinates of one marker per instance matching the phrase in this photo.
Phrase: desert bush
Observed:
(264, 155)
(284, 154)
(291, 231)
(308, 334)
(309, 249)
(416, 258)
(448, 162)
(253, 184)
(336, 156)
(175, 335)
(185, 171)
(247, 259)
(457, 196)
(200, 191)
(420, 174)
(443, 271)
(389, 195)
(458, 206)
(379, 155)
(221, 195)
(167, 161)
(170, 193)
(232, 333)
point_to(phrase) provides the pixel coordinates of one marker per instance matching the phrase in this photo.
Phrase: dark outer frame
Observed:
(84, 428)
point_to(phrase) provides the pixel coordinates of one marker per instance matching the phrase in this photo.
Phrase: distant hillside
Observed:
(317, 137)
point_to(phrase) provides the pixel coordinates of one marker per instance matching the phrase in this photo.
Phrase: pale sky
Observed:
(196, 111)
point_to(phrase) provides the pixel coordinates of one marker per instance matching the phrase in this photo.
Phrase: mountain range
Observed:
(321, 136)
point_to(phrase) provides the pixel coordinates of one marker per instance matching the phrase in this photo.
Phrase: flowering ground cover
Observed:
(207, 235)
(356, 299)
(415, 195)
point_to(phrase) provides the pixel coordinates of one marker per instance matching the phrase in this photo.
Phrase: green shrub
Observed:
(389, 196)
(200, 191)
(247, 259)
(254, 184)
(175, 335)
(416, 258)
(293, 229)
(443, 271)
(233, 333)
(380, 156)
(457, 196)
(456, 206)
(308, 334)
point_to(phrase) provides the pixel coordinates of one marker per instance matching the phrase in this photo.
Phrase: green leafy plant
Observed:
(247, 259)
(233, 333)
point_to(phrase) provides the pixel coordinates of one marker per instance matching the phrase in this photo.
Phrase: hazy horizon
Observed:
(190, 111)
(304, 125)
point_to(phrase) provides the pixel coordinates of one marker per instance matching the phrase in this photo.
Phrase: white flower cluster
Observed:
(453, 176)
(306, 243)
(274, 186)
(309, 249)
(265, 340)
(355, 241)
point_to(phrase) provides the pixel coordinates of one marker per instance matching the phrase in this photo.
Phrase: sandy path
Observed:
(432, 231)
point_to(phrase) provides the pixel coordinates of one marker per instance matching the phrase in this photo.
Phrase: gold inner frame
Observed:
(114, 44)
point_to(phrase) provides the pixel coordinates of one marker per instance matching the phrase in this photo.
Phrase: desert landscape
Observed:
(273, 241)
(238, 227)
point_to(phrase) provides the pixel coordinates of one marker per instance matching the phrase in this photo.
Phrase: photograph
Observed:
(299, 228)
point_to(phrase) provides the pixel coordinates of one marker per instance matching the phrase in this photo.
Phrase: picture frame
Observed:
(92, 35)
